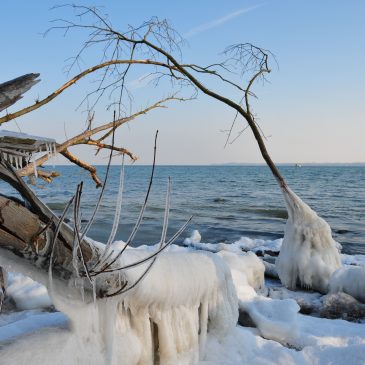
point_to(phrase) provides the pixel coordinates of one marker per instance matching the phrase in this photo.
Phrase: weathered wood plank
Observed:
(16, 218)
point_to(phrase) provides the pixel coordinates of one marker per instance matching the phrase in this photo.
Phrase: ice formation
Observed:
(111, 331)
(194, 238)
(350, 280)
(308, 254)
(19, 148)
(243, 244)
(248, 264)
(167, 315)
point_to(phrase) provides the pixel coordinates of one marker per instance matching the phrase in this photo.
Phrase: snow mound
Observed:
(275, 319)
(27, 294)
(194, 238)
(256, 245)
(259, 245)
(350, 280)
(308, 255)
(247, 264)
(357, 260)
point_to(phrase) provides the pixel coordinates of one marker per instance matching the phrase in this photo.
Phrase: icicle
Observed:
(94, 290)
(34, 167)
(118, 209)
(16, 162)
(28, 157)
(5, 156)
(82, 290)
(75, 260)
(119, 279)
(53, 155)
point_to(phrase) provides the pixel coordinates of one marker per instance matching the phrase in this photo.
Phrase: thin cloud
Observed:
(215, 23)
(141, 81)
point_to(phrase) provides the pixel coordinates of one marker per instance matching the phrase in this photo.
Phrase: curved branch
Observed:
(72, 158)
(71, 82)
(121, 150)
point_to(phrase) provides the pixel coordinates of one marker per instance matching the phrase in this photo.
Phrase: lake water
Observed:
(227, 202)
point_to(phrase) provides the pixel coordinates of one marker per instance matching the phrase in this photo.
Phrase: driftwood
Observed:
(27, 230)
(11, 91)
(34, 241)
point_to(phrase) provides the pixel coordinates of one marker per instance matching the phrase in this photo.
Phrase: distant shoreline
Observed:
(233, 164)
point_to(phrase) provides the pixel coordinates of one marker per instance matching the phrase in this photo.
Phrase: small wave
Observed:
(342, 231)
(56, 206)
(269, 212)
(219, 200)
(227, 217)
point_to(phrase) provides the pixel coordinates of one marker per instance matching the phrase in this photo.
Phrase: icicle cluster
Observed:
(19, 158)
(166, 318)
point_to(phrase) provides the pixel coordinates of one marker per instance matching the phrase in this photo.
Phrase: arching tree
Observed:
(155, 46)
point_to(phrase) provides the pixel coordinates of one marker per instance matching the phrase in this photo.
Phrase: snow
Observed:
(309, 301)
(350, 280)
(247, 264)
(256, 245)
(186, 296)
(308, 255)
(189, 302)
(275, 319)
(22, 323)
(358, 260)
(243, 244)
(27, 293)
(19, 135)
(194, 238)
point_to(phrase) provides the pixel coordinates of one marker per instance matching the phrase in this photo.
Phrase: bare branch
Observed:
(83, 137)
(72, 158)
(121, 150)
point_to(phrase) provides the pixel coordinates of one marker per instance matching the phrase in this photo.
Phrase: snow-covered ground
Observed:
(34, 334)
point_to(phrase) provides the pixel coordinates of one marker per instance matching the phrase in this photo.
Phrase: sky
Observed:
(310, 110)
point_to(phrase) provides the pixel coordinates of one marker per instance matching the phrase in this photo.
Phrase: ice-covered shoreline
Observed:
(281, 334)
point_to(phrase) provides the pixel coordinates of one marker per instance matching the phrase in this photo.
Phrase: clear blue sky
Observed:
(311, 111)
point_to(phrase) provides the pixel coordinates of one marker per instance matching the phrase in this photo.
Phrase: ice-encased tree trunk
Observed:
(308, 255)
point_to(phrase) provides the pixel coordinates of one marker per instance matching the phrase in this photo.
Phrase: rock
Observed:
(342, 305)
(245, 320)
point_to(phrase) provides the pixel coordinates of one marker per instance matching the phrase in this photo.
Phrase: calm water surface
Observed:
(227, 201)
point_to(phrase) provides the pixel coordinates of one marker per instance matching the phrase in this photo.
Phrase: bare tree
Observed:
(155, 44)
